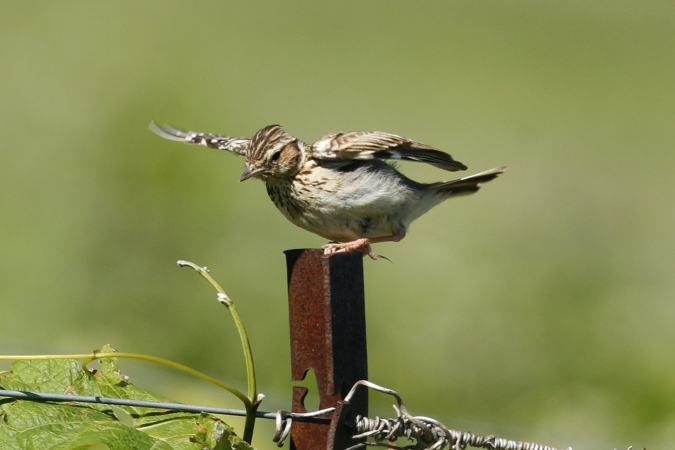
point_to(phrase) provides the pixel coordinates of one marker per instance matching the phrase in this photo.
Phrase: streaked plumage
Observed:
(339, 187)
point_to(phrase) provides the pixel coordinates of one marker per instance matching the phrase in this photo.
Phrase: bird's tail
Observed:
(466, 185)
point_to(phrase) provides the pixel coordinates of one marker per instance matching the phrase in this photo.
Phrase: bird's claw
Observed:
(362, 245)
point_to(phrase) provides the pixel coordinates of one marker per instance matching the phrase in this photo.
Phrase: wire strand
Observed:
(49, 397)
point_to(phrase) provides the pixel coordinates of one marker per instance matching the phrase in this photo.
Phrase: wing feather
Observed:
(363, 145)
(217, 141)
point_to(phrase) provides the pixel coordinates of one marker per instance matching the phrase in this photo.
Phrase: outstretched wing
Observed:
(361, 145)
(235, 145)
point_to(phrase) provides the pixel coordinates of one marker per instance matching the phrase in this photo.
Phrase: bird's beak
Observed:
(250, 172)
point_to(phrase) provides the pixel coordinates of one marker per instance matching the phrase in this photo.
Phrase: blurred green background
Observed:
(540, 309)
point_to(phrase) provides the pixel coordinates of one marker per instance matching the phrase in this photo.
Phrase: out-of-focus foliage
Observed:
(540, 309)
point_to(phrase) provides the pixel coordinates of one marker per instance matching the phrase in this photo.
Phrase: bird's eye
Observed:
(276, 155)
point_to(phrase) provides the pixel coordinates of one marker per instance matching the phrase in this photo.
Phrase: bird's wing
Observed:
(234, 145)
(363, 145)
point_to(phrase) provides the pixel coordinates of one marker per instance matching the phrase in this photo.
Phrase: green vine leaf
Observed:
(60, 426)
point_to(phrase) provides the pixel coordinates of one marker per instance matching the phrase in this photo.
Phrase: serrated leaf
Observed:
(60, 426)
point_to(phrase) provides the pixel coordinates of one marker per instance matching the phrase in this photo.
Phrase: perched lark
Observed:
(339, 187)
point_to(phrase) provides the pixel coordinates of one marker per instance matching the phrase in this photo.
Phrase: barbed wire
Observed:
(427, 433)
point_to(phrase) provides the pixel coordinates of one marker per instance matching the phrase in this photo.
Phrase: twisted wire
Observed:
(427, 433)
(284, 421)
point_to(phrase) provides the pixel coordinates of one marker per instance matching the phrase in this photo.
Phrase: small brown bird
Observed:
(339, 187)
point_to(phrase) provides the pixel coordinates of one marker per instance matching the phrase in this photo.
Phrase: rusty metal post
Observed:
(328, 336)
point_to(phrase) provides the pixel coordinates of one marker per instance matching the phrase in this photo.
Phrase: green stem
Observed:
(88, 357)
(252, 406)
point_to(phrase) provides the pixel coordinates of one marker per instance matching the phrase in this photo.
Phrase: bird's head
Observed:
(273, 154)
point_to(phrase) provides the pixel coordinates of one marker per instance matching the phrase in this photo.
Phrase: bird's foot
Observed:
(362, 245)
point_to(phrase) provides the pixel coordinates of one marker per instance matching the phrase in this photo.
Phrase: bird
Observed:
(342, 186)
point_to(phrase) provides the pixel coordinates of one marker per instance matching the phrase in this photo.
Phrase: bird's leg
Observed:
(361, 244)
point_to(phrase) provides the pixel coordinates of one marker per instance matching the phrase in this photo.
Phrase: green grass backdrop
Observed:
(540, 309)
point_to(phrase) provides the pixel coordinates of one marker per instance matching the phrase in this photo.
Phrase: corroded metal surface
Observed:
(328, 336)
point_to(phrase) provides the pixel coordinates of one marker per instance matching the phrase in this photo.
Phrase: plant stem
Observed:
(252, 406)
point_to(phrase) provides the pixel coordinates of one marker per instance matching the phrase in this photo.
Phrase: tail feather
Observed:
(466, 185)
